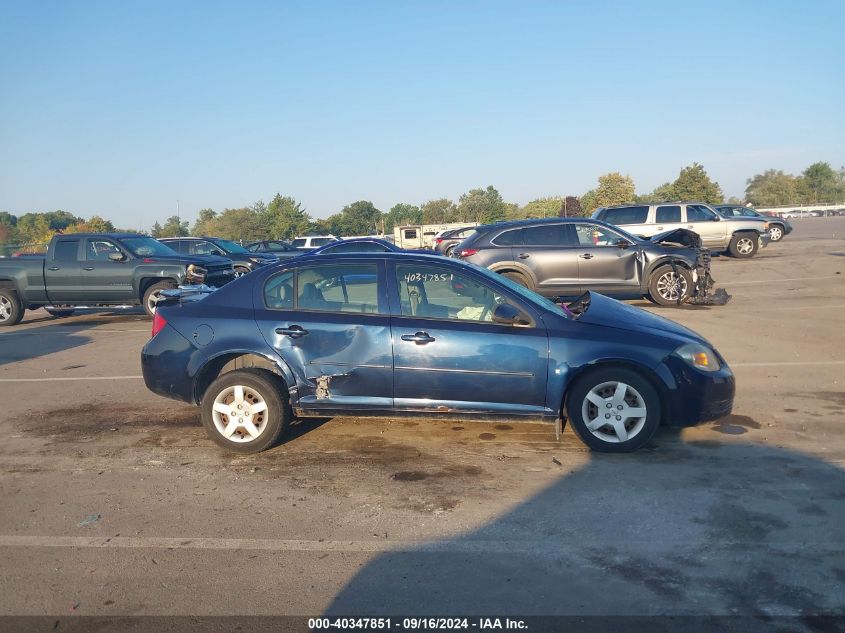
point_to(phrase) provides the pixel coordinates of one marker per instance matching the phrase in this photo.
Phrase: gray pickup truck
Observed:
(93, 270)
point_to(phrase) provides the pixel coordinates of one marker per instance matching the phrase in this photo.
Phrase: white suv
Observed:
(313, 241)
(741, 237)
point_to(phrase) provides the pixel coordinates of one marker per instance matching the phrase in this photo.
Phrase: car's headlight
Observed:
(698, 356)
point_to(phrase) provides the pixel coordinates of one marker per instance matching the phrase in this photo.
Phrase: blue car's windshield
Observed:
(143, 246)
(522, 291)
(230, 247)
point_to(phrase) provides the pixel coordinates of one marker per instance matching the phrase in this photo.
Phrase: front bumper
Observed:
(765, 238)
(698, 396)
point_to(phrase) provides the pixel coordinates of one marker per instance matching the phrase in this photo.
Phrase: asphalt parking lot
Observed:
(116, 503)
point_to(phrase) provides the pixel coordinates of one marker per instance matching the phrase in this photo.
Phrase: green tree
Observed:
(401, 214)
(588, 202)
(358, 218)
(95, 224)
(693, 183)
(172, 227)
(772, 188)
(614, 188)
(205, 224)
(243, 224)
(663, 193)
(156, 230)
(285, 218)
(482, 205)
(34, 228)
(820, 183)
(439, 211)
(548, 207)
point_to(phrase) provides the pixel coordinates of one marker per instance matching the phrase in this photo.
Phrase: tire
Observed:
(743, 245)
(240, 271)
(152, 292)
(11, 310)
(600, 385)
(519, 278)
(668, 287)
(449, 250)
(60, 314)
(776, 232)
(257, 386)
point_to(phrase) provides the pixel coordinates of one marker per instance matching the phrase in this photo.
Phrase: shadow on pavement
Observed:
(690, 529)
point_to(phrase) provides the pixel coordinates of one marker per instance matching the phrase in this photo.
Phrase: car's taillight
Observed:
(466, 252)
(438, 239)
(158, 323)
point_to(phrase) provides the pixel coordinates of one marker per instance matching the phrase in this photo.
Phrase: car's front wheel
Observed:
(152, 294)
(613, 410)
(776, 232)
(743, 245)
(670, 286)
(11, 310)
(246, 410)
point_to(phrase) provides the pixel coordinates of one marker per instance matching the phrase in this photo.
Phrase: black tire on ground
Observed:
(776, 232)
(59, 314)
(274, 419)
(744, 245)
(11, 310)
(240, 271)
(449, 250)
(665, 284)
(152, 291)
(519, 278)
(643, 390)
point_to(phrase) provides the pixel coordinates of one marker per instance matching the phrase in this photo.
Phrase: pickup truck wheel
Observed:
(245, 410)
(613, 410)
(743, 245)
(670, 287)
(152, 293)
(11, 310)
(60, 314)
(776, 232)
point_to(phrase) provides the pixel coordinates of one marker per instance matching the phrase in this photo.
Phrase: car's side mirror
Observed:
(218, 253)
(506, 314)
(117, 257)
(715, 218)
(622, 243)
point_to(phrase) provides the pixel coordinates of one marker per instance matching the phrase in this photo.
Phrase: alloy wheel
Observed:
(671, 286)
(614, 412)
(240, 414)
(5, 309)
(745, 245)
(775, 233)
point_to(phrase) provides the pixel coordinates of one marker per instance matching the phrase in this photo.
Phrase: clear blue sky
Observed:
(121, 108)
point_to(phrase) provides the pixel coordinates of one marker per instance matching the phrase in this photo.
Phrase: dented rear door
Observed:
(330, 324)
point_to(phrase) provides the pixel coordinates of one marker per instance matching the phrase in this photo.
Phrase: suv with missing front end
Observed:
(563, 257)
(739, 237)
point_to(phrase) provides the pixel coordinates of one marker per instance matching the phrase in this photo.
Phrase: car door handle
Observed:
(294, 331)
(88, 268)
(690, 226)
(659, 228)
(523, 255)
(53, 268)
(586, 256)
(420, 338)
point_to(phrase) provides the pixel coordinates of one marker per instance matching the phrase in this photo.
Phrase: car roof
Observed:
(95, 234)
(653, 204)
(510, 224)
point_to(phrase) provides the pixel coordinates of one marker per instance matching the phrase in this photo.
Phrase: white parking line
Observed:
(772, 281)
(70, 379)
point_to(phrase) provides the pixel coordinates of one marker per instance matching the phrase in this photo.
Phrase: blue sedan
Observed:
(405, 334)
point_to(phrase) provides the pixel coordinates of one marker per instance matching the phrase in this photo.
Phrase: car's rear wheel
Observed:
(11, 310)
(152, 294)
(670, 286)
(246, 410)
(776, 232)
(743, 245)
(450, 250)
(519, 278)
(613, 410)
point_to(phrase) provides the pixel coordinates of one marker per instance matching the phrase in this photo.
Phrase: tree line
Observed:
(285, 218)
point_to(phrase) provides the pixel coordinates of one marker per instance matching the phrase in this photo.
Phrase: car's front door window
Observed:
(590, 235)
(435, 292)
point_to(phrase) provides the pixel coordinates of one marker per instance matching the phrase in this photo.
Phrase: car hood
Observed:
(677, 237)
(606, 312)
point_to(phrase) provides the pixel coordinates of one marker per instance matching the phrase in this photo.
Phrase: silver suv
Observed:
(741, 237)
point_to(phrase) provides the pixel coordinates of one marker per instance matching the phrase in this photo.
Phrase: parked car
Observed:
(278, 248)
(363, 245)
(563, 257)
(778, 227)
(243, 260)
(446, 242)
(92, 270)
(313, 241)
(303, 342)
(739, 237)
(797, 213)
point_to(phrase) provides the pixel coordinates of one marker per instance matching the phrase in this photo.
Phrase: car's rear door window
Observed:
(668, 214)
(338, 288)
(66, 250)
(545, 235)
(509, 238)
(626, 215)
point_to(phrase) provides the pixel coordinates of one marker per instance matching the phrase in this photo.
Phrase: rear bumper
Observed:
(169, 363)
(698, 396)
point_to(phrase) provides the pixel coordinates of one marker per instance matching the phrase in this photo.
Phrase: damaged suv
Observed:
(564, 257)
